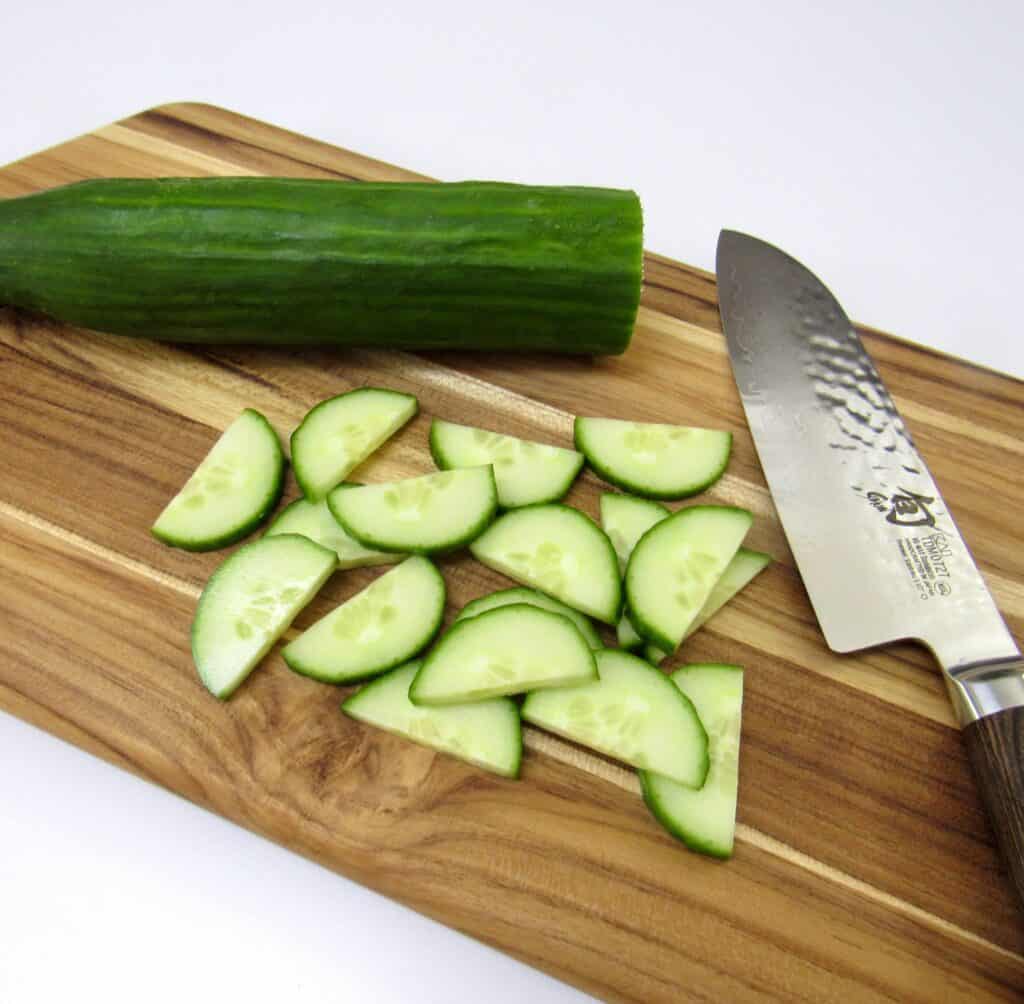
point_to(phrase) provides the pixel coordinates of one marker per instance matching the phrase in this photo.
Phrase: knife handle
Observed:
(995, 744)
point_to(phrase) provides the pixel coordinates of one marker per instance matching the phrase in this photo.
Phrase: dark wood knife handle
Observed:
(995, 745)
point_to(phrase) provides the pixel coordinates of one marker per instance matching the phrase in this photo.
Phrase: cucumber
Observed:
(231, 492)
(425, 515)
(526, 472)
(632, 713)
(675, 566)
(743, 567)
(509, 650)
(338, 434)
(384, 625)
(705, 820)
(655, 461)
(314, 520)
(250, 601)
(486, 734)
(284, 261)
(627, 635)
(519, 594)
(626, 519)
(559, 551)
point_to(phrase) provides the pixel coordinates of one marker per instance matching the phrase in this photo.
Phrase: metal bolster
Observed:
(982, 689)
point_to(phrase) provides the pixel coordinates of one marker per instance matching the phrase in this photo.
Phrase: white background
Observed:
(880, 143)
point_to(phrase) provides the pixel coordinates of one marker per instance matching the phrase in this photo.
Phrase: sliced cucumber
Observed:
(505, 651)
(626, 519)
(627, 635)
(231, 492)
(744, 566)
(656, 461)
(384, 625)
(526, 472)
(341, 432)
(675, 566)
(314, 520)
(436, 512)
(249, 602)
(520, 594)
(559, 551)
(706, 819)
(486, 734)
(632, 713)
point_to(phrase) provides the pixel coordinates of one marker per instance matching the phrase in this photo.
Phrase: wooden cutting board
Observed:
(864, 867)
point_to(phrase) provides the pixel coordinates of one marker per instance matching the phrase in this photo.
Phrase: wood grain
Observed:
(865, 868)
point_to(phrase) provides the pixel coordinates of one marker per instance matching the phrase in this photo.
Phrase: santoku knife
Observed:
(876, 546)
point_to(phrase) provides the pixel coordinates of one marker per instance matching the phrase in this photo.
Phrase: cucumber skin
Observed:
(304, 669)
(470, 265)
(244, 529)
(632, 487)
(467, 538)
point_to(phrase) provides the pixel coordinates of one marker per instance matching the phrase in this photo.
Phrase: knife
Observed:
(873, 539)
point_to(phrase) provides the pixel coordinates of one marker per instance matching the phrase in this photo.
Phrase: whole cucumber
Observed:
(468, 265)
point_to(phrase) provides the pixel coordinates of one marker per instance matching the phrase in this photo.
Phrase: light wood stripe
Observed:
(191, 161)
(548, 745)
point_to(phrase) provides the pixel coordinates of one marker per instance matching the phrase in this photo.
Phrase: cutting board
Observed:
(864, 866)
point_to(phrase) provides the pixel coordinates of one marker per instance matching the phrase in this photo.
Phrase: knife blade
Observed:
(874, 541)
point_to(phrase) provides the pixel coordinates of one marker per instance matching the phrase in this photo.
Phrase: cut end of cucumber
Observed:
(250, 601)
(230, 493)
(340, 433)
(384, 625)
(652, 460)
(559, 551)
(486, 734)
(626, 519)
(508, 650)
(526, 473)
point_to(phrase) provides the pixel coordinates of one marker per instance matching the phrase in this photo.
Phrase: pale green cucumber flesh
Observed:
(559, 551)
(231, 492)
(314, 520)
(676, 564)
(520, 594)
(632, 713)
(250, 601)
(340, 433)
(508, 650)
(745, 565)
(382, 626)
(652, 460)
(432, 514)
(526, 473)
(626, 519)
(486, 734)
(627, 634)
(705, 820)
